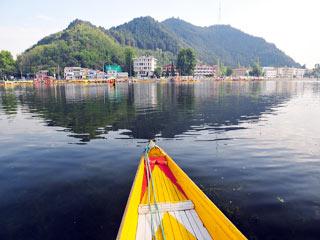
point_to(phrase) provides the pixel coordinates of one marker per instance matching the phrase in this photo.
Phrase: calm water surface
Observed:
(69, 153)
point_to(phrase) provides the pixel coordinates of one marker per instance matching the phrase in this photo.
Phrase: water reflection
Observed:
(69, 154)
(148, 110)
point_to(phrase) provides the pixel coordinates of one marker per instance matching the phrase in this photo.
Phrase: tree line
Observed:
(184, 65)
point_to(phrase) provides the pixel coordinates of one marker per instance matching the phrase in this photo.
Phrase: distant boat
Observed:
(164, 203)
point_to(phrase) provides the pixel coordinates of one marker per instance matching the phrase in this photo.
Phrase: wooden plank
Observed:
(194, 225)
(149, 230)
(168, 225)
(158, 185)
(141, 229)
(148, 227)
(215, 221)
(165, 188)
(129, 222)
(186, 222)
(182, 227)
(166, 207)
(200, 225)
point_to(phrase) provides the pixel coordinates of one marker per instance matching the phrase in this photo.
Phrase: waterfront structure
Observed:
(167, 70)
(203, 70)
(283, 72)
(75, 73)
(300, 72)
(287, 72)
(144, 66)
(100, 74)
(42, 74)
(91, 74)
(240, 72)
(270, 72)
(115, 71)
(72, 73)
(122, 75)
(112, 70)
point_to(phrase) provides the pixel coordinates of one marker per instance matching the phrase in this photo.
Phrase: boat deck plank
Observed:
(166, 204)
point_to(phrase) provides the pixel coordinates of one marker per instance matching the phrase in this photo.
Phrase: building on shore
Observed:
(42, 74)
(168, 69)
(144, 66)
(203, 70)
(75, 73)
(270, 72)
(240, 72)
(300, 72)
(78, 73)
(284, 72)
(115, 71)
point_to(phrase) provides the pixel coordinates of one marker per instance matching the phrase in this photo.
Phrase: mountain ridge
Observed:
(84, 44)
(219, 41)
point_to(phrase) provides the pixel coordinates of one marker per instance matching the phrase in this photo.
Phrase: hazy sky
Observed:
(293, 25)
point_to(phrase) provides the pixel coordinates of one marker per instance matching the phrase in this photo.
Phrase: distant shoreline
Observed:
(151, 80)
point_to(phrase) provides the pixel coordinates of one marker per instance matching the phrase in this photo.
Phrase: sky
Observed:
(293, 25)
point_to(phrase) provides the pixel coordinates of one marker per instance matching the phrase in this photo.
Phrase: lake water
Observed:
(69, 153)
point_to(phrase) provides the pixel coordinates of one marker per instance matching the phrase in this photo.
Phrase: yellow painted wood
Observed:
(217, 224)
(180, 232)
(165, 190)
(128, 227)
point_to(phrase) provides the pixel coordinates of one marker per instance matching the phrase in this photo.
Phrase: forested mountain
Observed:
(83, 44)
(227, 44)
(146, 33)
(212, 44)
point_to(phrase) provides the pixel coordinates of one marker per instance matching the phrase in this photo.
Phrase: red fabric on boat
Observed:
(161, 161)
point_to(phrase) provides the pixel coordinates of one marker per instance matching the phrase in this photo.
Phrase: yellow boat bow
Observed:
(164, 203)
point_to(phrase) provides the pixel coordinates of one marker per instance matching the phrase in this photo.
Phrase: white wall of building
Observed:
(270, 72)
(283, 72)
(202, 70)
(144, 66)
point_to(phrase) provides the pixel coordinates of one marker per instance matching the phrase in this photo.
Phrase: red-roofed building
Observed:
(167, 69)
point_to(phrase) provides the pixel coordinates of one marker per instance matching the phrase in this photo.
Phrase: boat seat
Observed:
(166, 207)
(179, 221)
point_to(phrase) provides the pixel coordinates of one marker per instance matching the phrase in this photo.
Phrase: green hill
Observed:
(227, 44)
(80, 44)
(83, 44)
(212, 44)
(146, 33)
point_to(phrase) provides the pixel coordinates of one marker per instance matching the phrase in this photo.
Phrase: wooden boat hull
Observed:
(175, 208)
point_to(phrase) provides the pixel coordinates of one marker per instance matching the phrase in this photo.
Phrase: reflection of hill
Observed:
(81, 113)
(9, 102)
(152, 109)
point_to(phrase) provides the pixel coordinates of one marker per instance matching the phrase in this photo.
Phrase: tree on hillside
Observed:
(316, 70)
(221, 69)
(186, 61)
(129, 54)
(228, 71)
(167, 74)
(256, 70)
(7, 65)
(157, 72)
(173, 72)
